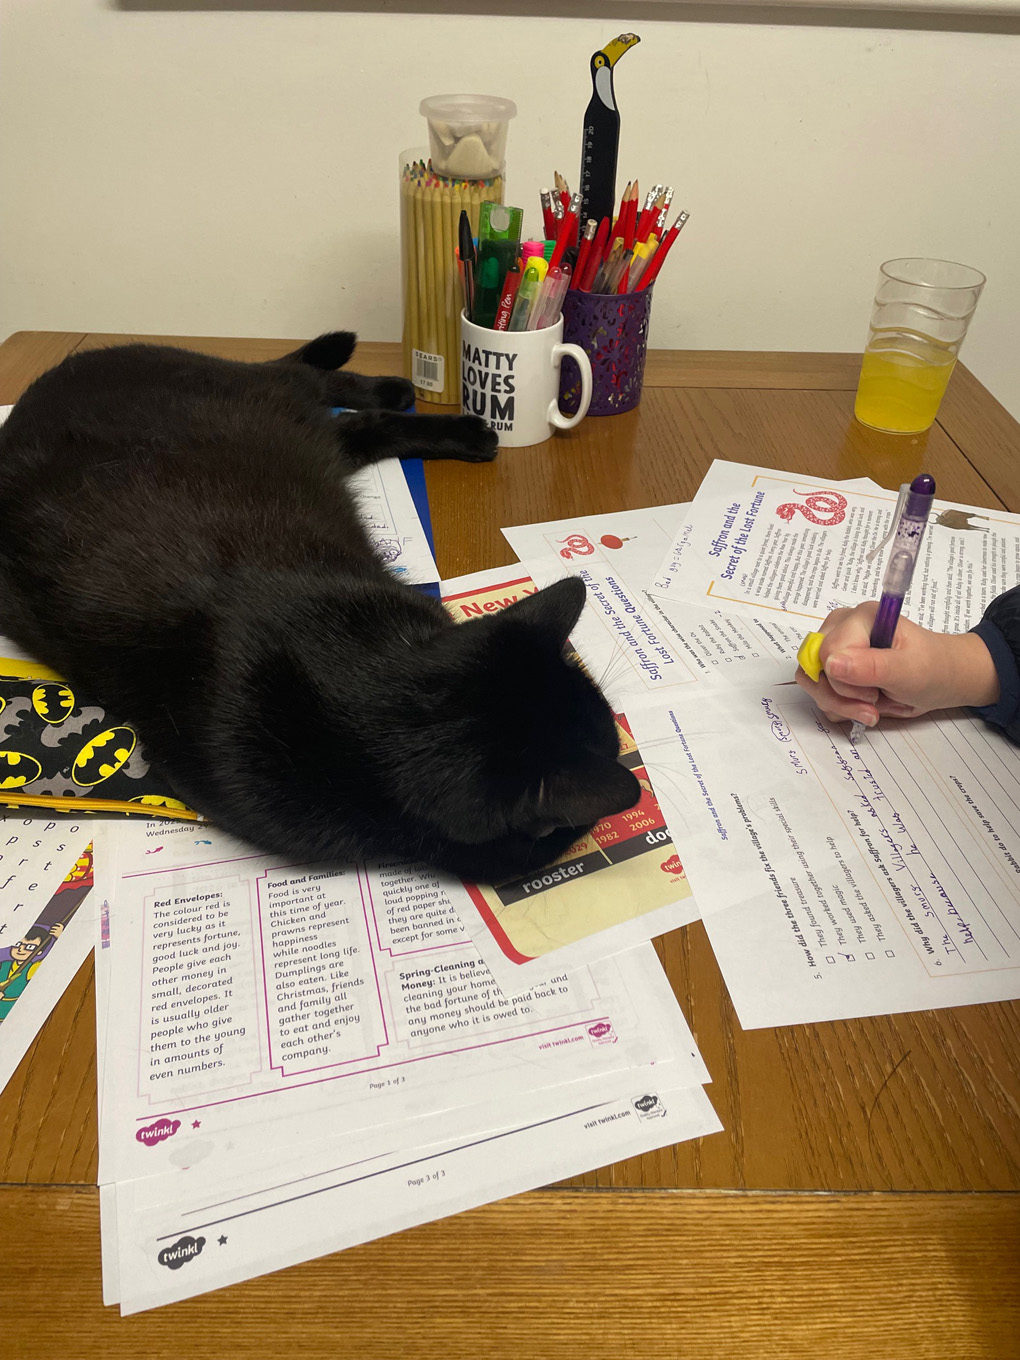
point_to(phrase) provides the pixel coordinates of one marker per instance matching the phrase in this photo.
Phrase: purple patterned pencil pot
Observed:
(612, 329)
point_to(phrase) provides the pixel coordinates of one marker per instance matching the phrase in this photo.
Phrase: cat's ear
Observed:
(328, 352)
(593, 788)
(552, 611)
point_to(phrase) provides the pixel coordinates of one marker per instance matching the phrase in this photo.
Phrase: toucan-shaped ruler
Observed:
(601, 140)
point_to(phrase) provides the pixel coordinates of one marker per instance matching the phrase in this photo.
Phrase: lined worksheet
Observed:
(839, 880)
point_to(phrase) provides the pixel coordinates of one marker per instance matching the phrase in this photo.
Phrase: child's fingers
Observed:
(861, 692)
(860, 668)
(859, 707)
(889, 708)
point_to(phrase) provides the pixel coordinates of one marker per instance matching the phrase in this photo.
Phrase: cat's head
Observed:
(383, 729)
(509, 741)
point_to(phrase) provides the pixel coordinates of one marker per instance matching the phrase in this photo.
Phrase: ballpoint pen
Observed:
(916, 501)
(467, 259)
(549, 300)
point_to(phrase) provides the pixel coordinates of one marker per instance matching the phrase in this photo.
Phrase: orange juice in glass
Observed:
(920, 318)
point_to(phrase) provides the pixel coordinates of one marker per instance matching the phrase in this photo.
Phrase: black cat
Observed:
(177, 538)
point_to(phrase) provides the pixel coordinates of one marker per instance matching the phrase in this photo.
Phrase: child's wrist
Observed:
(975, 680)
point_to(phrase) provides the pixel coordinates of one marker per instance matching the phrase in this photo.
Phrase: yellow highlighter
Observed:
(809, 655)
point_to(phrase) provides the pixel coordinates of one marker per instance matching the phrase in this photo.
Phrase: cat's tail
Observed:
(328, 352)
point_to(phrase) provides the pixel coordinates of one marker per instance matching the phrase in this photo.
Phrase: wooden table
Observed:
(862, 1201)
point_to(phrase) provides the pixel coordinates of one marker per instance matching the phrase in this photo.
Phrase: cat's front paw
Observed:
(478, 442)
(393, 394)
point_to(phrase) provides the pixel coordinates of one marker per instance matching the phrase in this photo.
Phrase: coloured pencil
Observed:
(655, 264)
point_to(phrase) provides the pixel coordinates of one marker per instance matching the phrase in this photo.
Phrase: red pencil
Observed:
(567, 235)
(655, 264)
(583, 251)
(548, 218)
(630, 225)
(598, 247)
(621, 216)
(649, 214)
(660, 221)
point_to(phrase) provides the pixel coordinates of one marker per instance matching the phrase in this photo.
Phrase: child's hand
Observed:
(921, 671)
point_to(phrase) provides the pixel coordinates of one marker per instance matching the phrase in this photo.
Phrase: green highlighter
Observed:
(499, 245)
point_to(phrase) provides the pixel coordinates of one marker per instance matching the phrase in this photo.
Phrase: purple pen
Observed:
(899, 569)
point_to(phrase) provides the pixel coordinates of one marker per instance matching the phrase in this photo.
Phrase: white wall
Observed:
(230, 172)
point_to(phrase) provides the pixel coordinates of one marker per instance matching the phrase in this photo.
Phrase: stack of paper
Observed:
(833, 880)
(295, 1058)
(300, 1057)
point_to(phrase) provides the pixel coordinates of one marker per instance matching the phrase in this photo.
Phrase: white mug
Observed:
(512, 380)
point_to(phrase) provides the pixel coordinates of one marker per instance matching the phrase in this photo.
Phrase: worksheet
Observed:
(388, 513)
(629, 544)
(618, 885)
(840, 880)
(254, 1001)
(638, 646)
(43, 942)
(293, 1206)
(781, 545)
(36, 854)
(636, 642)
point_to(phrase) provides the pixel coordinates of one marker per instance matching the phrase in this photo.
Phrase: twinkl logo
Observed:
(156, 1133)
(649, 1107)
(183, 1250)
(601, 1033)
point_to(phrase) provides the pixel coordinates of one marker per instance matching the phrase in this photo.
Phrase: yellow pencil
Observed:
(447, 296)
(436, 291)
(421, 331)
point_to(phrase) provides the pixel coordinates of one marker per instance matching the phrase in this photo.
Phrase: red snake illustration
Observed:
(825, 503)
(576, 544)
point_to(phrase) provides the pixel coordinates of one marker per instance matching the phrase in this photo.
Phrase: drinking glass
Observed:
(920, 318)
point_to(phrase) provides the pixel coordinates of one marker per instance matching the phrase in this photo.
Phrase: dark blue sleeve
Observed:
(999, 630)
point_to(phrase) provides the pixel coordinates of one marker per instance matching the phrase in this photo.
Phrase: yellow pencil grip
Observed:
(809, 655)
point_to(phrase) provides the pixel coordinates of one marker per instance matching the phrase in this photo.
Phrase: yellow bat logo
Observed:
(52, 702)
(156, 800)
(17, 769)
(103, 756)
